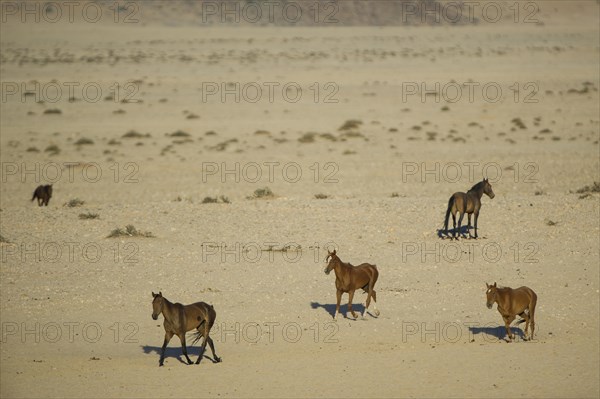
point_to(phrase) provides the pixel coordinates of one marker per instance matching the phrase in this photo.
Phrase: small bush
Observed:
(88, 215)
(74, 203)
(129, 231)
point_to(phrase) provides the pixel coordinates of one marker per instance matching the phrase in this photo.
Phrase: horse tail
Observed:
(196, 337)
(450, 203)
(34, 193)
(198, 334)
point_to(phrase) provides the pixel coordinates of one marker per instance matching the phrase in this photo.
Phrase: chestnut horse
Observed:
(180, 319)
(349, 278)
(511, 302)
(469, 203)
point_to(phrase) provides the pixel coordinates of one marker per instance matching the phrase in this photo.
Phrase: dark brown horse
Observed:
(469, 203)
(349, 278)
(180, 319)
(43, 194)
(520, 301)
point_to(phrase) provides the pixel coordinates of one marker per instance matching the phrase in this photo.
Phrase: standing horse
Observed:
(348, 278)
(469, 203)
(180, 319)
(520, 301)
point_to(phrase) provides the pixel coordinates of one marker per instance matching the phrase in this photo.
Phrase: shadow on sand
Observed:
(464, 232)
(176, 352)
(330, 308)
(497, 332)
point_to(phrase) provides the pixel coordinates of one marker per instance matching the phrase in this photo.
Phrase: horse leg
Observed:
(184, 347)
(462, 215)
(351, 295)
(212, 348)
(469, 225)
(453, 225)
(203, 347)
(531, 316)
(337, 306)
(168, 336)
(368, 302)
(476, 217)
(377, 313)
(507, 321)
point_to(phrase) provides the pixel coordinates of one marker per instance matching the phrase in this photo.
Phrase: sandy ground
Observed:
(76, 305)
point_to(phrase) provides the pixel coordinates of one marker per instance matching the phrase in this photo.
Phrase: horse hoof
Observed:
(218, 360)
(377, 313)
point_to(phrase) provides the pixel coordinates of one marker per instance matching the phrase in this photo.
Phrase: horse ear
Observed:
(487, 285)
(159, 293)
(495, 284)
(333, 253)
(153, 294)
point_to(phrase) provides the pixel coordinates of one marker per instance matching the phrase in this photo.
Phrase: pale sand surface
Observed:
(434, 338)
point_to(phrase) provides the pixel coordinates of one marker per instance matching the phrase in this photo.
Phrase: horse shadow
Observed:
(498, 332)
(330, 308)
(464, 232)
(176, 352)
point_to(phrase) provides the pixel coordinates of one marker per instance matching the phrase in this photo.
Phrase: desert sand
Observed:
(358, 133)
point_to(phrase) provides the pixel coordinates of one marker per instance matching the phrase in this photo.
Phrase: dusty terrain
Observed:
(159, 138)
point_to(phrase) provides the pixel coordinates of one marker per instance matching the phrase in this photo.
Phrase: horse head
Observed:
(332, 260)
(157, 304)
(487, 189)
(491, 292)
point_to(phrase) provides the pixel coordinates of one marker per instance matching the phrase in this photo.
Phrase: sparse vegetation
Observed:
(129, 231)
(84, 141)
(351, 124)
(132, 134)
(4, 240)
(263, 193)
(215, 200)
(53, 149)
(53, 111)
(88, 215)
(180, 133)
(321, 196)
(74, 203)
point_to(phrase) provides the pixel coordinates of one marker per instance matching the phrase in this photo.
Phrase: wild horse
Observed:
(511, 302)
(469, 203)
(349, 278)
(180, 319)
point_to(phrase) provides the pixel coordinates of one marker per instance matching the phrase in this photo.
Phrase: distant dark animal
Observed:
(469, 203)
(180, 319)
(511, 302)
(43, 194)
(349, 278)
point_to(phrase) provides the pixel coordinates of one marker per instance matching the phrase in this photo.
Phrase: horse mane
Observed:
(476, 186)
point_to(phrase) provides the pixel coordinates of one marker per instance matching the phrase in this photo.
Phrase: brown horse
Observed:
(469, 203)
(520, 301)
(43, 193)
(180, 319)
(348, 278)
